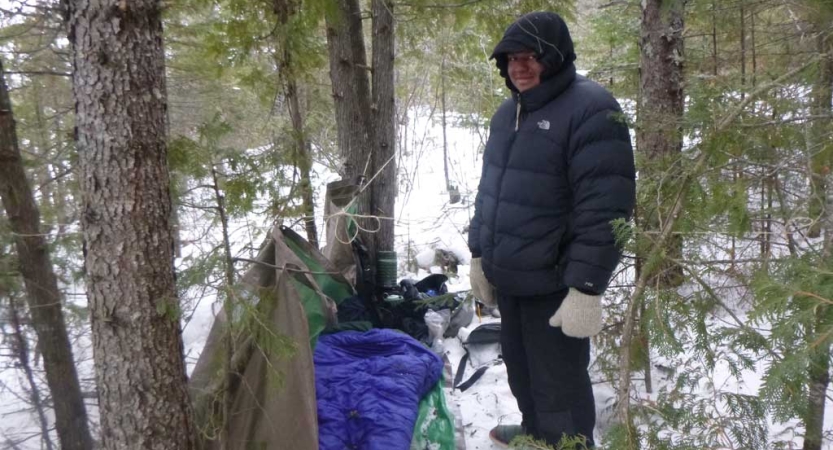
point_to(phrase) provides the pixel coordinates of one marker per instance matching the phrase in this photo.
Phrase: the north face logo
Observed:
(544, 124)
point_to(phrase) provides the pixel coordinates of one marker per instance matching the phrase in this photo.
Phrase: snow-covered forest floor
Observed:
(426, 220)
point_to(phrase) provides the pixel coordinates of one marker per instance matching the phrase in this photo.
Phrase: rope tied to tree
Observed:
(354, 216)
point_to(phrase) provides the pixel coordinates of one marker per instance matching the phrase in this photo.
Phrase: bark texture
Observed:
(819, 369)
(121, 120)
(818, 150)
(366, 120)
(819, 380)
(659, 135)
(284, 10)
(383, 187)
(42, 292)
(303, 152)
(351, 87)
(20, 351)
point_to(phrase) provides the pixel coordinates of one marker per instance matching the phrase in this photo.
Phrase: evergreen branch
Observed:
(47, 234)
(203, 399)
(436, 5)
(815, 296)
(710, 262)
(753, 96)
(710, 291)
(787, 120)
(288, 269)
(55, 178)
(439, 300)
(40, 72)
(614, 3)
(821, 339)
(623, 396)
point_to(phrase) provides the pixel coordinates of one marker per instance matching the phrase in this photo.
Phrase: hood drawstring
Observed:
(518, 115)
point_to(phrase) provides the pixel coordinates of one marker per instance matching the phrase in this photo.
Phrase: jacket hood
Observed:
(546, 34)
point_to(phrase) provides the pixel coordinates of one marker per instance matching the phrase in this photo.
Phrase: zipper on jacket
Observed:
(503, 169)
(518, 115)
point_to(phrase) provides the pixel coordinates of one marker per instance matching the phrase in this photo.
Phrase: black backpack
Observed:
(488, 333)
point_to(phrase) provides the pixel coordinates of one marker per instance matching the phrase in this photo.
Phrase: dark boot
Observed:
(502, 435)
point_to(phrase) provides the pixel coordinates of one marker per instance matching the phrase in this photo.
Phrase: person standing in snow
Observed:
(558, 168)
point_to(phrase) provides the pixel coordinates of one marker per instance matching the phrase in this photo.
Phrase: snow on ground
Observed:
(426, 221)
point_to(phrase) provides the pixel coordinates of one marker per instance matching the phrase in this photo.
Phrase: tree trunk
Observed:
(659, 135)
(383, 188)
(303, 154)
(659, 138)
(121, 122)
(20, 350)
(679, 202)
(819, 369)
(645, 348)
(715, 63)
(351, 95)
(752, 44)
(228, 309)
(819, 379)
(41, 175)
(41, 285)
(445, 137)
(284, 9)
(818, 153)
(742, 46)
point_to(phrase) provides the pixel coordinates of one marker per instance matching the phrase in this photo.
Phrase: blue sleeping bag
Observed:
(368, 387)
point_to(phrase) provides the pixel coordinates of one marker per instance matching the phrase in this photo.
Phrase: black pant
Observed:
(547, 369)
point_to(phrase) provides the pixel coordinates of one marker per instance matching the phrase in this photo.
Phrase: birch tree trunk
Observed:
(42, 292)
(121, 122)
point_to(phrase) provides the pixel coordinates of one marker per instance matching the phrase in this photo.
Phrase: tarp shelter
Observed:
(285, 301)
(279, 312)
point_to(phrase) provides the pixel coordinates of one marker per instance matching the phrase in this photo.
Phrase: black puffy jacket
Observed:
(558, 168)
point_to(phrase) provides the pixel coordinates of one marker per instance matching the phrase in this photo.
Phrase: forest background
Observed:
(146, 147)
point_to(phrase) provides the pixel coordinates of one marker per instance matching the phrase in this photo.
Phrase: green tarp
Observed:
(434, 427)
(273, 394)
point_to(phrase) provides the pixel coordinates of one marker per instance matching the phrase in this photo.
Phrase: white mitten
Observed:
(480, 287)
(580, 315)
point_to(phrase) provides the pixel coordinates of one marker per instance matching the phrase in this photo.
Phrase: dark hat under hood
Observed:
(544, 33)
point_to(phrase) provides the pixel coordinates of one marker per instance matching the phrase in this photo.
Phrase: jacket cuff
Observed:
(475, 253)
(588, 279)
(585, 291)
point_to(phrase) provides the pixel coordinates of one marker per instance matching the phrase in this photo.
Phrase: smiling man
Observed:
(524, 70)
(557, 170)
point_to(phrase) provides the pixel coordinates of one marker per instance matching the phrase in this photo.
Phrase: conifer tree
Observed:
(44, 298)
(121, 116)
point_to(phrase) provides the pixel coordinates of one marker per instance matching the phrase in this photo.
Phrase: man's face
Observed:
(524, 70)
